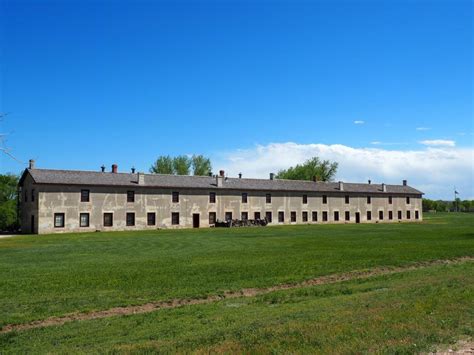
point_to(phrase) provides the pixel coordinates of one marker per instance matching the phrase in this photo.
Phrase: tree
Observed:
(201, 165)
(322, 170)
(8, 201)
(163, 165)
(182, 165)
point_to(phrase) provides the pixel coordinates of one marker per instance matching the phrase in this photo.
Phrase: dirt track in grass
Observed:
(246, 292)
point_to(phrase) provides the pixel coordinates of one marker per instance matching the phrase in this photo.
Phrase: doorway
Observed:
(357, 217)
(32, 229)
(196, 220)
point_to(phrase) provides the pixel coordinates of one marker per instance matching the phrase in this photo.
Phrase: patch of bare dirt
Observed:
(463, 347)
(246, 292)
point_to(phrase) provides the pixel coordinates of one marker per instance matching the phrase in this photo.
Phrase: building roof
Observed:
(84, 178)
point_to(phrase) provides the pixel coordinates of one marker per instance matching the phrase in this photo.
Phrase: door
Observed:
(32, 229)
(357, 217)
(196, 220)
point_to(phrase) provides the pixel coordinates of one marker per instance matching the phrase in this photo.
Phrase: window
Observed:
(369, 215)
(26, 195)
(175, 198)
(130, 196)
(108, 219)
(305, 216)
(212, 217)
(325, 199)
(212, 197)
(85, 195)
(175, 218)
(305, 199)
(369, 200)
(84, 220)
(32, 195)
(381, 215)
(268, 198)
(346, 198)
(151, 218)
(348, 216)
(325, 216)
(268, 217)
(244, 197)
(281, 216)
(336, 216)
(244, 216)
(228, 216)
(408, 200)
(399, 214)
(408, 215)
(315, 216)
(59, 220)
(390, 215)
(417, 215)
(293, 216)
(256, 215)
(390, 200)
(130, 219)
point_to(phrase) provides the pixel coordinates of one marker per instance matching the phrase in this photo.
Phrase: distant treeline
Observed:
(448, 206)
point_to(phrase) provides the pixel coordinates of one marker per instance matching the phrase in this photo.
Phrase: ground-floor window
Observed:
(108, 219)
(151, 218)
(212, 217)
(293, 216)
(348, 216)
(336, 216)
(256, 215)
(399, 214)
(245, 216)
(417, 215)
(130, 219)
(84, 220)
(408, 215)
(390, 215)
(59, 220)
(268, 216)
(175, 218)
(381, 215)
(281, 216)
(369, 215)
(228, 216)
(315, 216)
(325, 216)
(304, 216)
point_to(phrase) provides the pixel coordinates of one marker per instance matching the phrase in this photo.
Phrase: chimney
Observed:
(210, 173)
(141, 178)
(341, 186)
(219, 180)
(240, 175)
(114, 168)
(32, 164)
(369, 182)
(102, 168)
(384, 188)
(315, 178)
(404, 183)
(221, 173)
(272, 176)
(133, 170)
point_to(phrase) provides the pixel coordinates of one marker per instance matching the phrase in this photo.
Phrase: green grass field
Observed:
(53, 275)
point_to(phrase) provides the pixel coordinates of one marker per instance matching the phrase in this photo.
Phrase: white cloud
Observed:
(376, 143)
(423, 128)
(359, 122)
(432, 170)
(439, 143)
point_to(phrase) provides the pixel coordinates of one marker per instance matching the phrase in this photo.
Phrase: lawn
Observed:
(52, 275)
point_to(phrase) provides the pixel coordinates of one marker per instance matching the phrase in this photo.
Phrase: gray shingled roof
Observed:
(83, 178)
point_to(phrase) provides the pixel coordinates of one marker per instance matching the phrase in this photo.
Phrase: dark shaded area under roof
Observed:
(84, 178)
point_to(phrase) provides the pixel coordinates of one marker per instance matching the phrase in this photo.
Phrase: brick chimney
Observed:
(369, 182)
(102, 168)
(341, 186)
(240, 175)
(384, 188)
(133, 170)
(141, 178)
(114, 168)
(272, 176)
(404, 183)
(32, 164)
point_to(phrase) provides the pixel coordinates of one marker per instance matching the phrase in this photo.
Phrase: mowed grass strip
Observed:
(409, 312)
(52, 275)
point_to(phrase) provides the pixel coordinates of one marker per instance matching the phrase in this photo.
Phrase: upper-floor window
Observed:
(212, 197)
(244, 197)
(346, 199)
(369, 200)
(130, 196)
(325, 199)
(58, 220)
(390, 200)
(32, 195)
(408, 200)
(85, 194)
(305, 199)
(175, 197)
(268, 198)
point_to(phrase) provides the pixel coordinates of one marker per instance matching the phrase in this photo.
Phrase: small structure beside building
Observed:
(74, 201)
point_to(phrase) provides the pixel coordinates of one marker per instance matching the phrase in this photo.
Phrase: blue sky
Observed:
(88, 83)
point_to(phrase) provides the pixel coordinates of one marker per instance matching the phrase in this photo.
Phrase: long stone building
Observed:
(72, 201)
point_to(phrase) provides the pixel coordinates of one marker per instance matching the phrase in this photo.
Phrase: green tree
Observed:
(201, 165)
(8, 201)
(182, 165)
(163, 165)
(323, 170)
